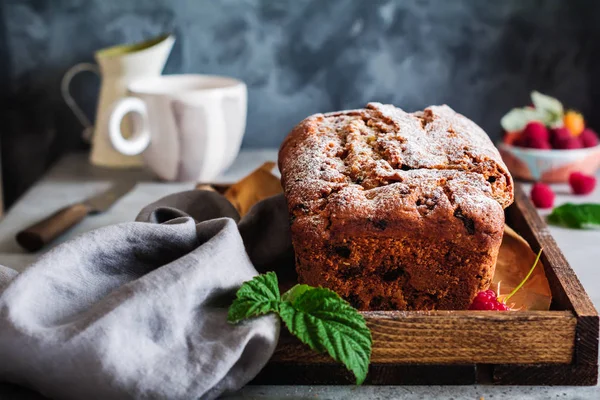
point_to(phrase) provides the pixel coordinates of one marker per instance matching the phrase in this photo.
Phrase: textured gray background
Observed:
(298, 57)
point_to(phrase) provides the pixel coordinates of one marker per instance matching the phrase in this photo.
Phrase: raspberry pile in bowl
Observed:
(536, 135)
(542, 142)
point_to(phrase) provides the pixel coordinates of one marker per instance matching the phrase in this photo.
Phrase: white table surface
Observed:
(74, 179)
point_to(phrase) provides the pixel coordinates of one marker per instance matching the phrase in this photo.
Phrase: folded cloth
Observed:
(138, 310)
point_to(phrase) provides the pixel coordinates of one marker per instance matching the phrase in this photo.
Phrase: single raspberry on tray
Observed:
(542, 195)
(488, 301)
(581, 183)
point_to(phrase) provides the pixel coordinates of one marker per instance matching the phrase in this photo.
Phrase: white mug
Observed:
(187, 127)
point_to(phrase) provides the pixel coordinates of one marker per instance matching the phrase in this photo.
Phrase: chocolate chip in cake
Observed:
(467, 222)
(342, 251)
(376, 302)
(382, 304)
(354, 301)
(380, 224)
(393, 274)
(349, 272)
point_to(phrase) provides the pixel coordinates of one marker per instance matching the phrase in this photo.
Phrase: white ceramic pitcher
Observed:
(118, 66)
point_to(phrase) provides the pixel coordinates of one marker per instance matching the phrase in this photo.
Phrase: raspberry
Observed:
(542, 195)
(536, 131)
(536, 143)
(559, 134)
(488, 301)
(571, 143)
(589, 138)
(582, 183)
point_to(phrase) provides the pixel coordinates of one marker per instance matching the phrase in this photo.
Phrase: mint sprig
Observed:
(578, 216)
(318, 317)
(546, 109)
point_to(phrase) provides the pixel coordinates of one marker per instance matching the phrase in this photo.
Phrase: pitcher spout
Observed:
(145, 58)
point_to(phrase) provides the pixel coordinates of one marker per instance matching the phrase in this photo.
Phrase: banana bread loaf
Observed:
(395, 210)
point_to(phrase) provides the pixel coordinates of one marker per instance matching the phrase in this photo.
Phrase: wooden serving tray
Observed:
(557, 347)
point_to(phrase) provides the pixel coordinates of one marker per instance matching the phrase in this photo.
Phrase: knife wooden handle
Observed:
(40, 234)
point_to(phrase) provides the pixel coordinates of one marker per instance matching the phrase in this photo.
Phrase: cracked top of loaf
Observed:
(380, 161)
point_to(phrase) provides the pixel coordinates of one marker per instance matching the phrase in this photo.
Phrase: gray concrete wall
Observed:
(299, 57)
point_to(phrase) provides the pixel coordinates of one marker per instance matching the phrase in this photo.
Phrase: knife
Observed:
(41, 233)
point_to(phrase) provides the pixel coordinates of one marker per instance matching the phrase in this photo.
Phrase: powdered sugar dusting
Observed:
(372, 155)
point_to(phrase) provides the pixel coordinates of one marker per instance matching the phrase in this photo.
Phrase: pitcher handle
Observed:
(140, 139)
(66, 94)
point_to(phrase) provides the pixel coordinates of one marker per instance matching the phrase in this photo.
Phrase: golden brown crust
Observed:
(395, 210)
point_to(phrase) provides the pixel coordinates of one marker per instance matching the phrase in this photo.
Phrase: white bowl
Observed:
(550, 166)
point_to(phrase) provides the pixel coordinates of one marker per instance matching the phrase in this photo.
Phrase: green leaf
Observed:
(292, 294)
(550, 109)
(517, 118)
(327, 323)
(256, 297)
(578, 216)
(318, 317)
(546, 103)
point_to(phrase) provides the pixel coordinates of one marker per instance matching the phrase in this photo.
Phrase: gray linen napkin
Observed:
(138, 310)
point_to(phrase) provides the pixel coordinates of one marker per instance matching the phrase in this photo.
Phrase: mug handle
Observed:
(66, 94)
(141, 136)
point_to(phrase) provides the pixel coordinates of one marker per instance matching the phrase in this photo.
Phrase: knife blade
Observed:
(41, 233)
(106, 199)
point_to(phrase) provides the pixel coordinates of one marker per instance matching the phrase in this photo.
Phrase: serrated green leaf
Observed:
(578, 216)
(317, 316)
(292, 294)
(327, 323)
(256, 297)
